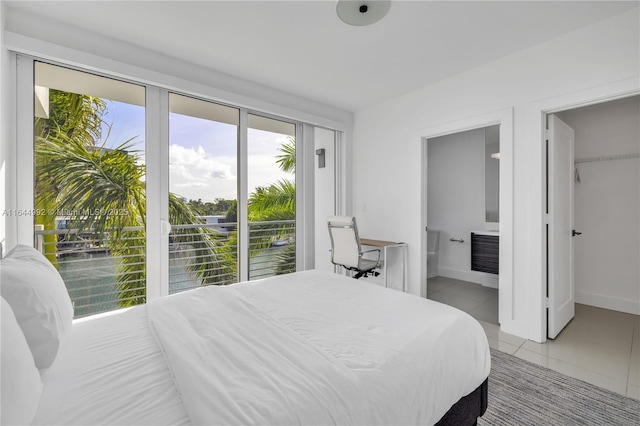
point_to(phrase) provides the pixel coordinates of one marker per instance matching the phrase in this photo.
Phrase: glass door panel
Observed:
(90, 185)
(203, 187)
(271, 165)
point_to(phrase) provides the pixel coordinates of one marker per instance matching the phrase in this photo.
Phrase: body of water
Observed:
(91, 277)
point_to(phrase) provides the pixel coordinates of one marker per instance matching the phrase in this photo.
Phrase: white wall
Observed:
(455, 204)
(324, 196)
(387, 155)
(607, 205)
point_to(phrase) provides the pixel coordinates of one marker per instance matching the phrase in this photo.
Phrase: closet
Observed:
(607, 203)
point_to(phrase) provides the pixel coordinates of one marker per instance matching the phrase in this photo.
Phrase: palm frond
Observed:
(287, 160)
(275, 202)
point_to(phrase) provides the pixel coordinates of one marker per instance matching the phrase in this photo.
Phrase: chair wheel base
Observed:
(365, 274)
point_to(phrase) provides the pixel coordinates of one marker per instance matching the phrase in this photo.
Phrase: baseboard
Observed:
(482, 278)
(608, 302)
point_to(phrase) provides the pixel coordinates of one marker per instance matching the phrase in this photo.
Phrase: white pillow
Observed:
(21, 386)
(39, 299)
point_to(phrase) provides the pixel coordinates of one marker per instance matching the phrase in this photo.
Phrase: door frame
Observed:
(504, 118)
(537, 238)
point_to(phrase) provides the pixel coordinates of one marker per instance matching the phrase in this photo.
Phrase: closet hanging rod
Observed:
(605, 158)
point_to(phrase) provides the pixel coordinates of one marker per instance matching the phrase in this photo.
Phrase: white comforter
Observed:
(306, 348)
(314, 348)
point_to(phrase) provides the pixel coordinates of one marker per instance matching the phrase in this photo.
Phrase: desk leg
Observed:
(406, 268)
(384, 266)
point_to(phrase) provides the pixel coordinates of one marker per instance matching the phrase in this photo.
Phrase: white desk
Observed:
(394, 268)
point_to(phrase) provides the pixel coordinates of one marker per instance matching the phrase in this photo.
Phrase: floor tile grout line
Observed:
(633, 335)
(520, 347)
(562, 361)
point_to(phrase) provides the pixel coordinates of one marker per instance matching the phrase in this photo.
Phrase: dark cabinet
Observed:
(485, 250)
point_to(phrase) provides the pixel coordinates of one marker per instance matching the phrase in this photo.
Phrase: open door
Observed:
(560, 166)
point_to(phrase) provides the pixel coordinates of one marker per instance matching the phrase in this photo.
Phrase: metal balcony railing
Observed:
(199, 254)
(271, 248)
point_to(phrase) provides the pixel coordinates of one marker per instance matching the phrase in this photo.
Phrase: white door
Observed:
(560, 231)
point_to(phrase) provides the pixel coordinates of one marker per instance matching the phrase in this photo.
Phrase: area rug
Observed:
(522, 393)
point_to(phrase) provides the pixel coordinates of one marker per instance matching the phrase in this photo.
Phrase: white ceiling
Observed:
(301, 47)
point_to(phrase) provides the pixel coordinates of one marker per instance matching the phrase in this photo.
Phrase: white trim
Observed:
(209, 84)
(243, 197)
(343, 175)
(537, 194)
(8, 164)
(340, 186)
(305, 197)
(157, 189)
(504, 118)
(24, 154)
(424, 196)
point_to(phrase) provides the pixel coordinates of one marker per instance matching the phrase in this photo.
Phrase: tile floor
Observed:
(478, 301)
(598, 346)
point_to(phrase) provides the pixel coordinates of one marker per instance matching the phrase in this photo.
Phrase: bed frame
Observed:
(466, 411)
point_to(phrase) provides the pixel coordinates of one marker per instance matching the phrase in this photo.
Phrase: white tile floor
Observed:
(478, 301)
(598, 346)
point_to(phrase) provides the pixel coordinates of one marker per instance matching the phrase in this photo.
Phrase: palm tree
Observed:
(74, 115)
(276, 202)
(76, 175)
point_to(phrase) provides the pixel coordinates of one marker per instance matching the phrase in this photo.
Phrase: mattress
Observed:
(305, 348)
(110, 371)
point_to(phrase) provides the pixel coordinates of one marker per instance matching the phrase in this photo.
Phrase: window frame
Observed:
(157, 173)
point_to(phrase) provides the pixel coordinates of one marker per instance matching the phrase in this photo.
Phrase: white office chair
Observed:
(346, 250)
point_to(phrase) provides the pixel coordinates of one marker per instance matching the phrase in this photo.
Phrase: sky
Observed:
(202, 153)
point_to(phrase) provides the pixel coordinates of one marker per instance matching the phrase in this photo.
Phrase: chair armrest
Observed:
(369, 251)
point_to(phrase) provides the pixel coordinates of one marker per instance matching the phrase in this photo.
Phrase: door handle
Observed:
(574, 233)
(165, 228)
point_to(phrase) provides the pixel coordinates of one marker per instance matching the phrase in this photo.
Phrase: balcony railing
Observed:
(199, 254)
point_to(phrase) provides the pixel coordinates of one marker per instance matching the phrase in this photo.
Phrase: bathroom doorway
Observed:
(504, 120)
(463, 216)
(606, 187)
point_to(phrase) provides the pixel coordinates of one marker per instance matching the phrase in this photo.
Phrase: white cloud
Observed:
(195, 174)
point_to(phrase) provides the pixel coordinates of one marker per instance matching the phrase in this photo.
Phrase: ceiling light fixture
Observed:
(362, 12)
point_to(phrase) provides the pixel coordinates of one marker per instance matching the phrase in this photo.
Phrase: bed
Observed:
(311, 347)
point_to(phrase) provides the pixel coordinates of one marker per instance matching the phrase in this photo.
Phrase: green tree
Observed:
(75, 116)
(273, 203)
(76, 174)
(232, 212)
(287, 157)
(104, 191)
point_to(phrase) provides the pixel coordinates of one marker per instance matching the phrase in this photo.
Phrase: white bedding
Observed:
(110, 371)
(311, 347)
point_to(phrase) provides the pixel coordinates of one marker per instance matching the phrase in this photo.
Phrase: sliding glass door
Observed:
(138, 192)
(90, 191)
(271, 208)
(203, 188)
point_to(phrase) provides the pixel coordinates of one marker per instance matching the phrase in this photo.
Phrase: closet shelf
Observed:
(606, 158)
